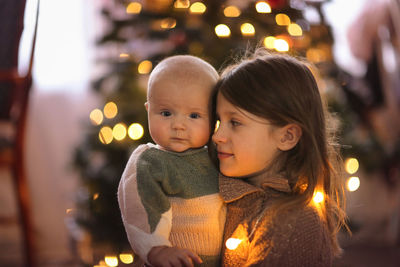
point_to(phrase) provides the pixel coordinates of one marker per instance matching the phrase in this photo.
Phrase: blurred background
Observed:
(72, 111)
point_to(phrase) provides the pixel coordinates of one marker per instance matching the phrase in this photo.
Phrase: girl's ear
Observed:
(146, 105)
(289, 136)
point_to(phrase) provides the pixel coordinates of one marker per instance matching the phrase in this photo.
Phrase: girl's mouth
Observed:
(223, 155)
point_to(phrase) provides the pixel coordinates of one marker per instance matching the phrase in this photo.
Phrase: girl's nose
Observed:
(219, 136)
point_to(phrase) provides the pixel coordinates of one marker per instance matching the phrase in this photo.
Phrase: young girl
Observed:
(276, 153)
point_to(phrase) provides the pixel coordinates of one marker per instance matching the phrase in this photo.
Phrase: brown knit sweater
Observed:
(292, 238)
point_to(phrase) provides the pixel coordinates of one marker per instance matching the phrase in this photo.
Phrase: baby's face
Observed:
(178, 114)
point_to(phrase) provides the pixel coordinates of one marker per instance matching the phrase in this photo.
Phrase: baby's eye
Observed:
(165, 113)
(194, 116)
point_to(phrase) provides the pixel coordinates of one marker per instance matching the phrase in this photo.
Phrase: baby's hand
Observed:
(164, 256)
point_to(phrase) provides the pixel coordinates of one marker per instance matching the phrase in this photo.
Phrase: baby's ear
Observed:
(146, 105)
(289, 136)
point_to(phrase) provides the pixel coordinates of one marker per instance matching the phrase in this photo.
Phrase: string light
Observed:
(181, 4)
(295, 30)
(111, 261)
(110, 110)
(95, 196)
(126, 258)
(282, 19)
(318, 197)
(247, 29)
(134, 8)
(263, 7)
(119, 131)
(135, 131)
(96, 116)
(106, 135)
(198, 8)
(353, 183)
(232, 12)
(145, 67)
(222, 30)
(232, 243)
(351, 165)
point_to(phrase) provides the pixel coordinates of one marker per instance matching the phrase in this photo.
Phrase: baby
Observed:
(168, 193)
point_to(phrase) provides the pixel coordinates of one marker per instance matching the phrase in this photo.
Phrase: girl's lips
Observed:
(222, 155)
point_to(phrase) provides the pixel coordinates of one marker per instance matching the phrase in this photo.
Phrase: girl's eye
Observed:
(234, 123)
(194, 116)
(165, 113)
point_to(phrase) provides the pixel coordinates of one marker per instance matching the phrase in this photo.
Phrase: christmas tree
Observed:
(139, 35)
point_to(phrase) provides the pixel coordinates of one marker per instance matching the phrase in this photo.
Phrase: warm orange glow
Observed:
(351, 165)
(182, 4)
(282, 19)
(96, 116)
(123, 55)
(295, 30)
(222, 30)
(119, 131)
(134, 8)
(168, 23)
(318, 197)
(68, 211)
(247, 29)
(145, 67)
(353, 183)
(135, 131)
(232, 12)
(217, 123)
(106, 135)
(95, 196)
(110, 110)
(263, 7)
(232, 243)
(126, 258)
(269, 42)
(111, 261)
(198, 8)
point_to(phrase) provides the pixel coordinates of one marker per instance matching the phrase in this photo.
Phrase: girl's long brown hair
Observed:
(283, 90)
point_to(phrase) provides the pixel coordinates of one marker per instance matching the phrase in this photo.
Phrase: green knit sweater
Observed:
(172, 199)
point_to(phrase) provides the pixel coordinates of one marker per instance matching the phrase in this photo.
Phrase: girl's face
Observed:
(246, 143)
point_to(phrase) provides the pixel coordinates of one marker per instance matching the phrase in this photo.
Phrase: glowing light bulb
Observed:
(119, 131)
(145, 67)
(263, 7)
(106, 135)
(247, 29)
(95, 196)
(126, 258)
(232, 243)
(110, 110)
(351, 165)
(134, 8)
(135, 131)
(96, 116)
(198, 8)
(282, 19)
(222, 30)
(318, 197)
(232, 12)
(281, 45)
(295, 30)
(111, 261)
(353, 183)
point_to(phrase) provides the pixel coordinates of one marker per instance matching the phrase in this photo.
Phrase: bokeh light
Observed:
(145, 67)
(119, 131)
(295, 30)
(126, 258)
(106, 135)
(247, 29)
(263, 7)
(318, 197)
(168, 23)
(281, 45)
(232, 12)
(198, 8)
(182, 4)
(110, 110)
(96, 116)
(135, 131)
(351, 165)
(222, 30)
(134, 8)
(353, 183)
(269, 42)
(282, 19)
(111, 261)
